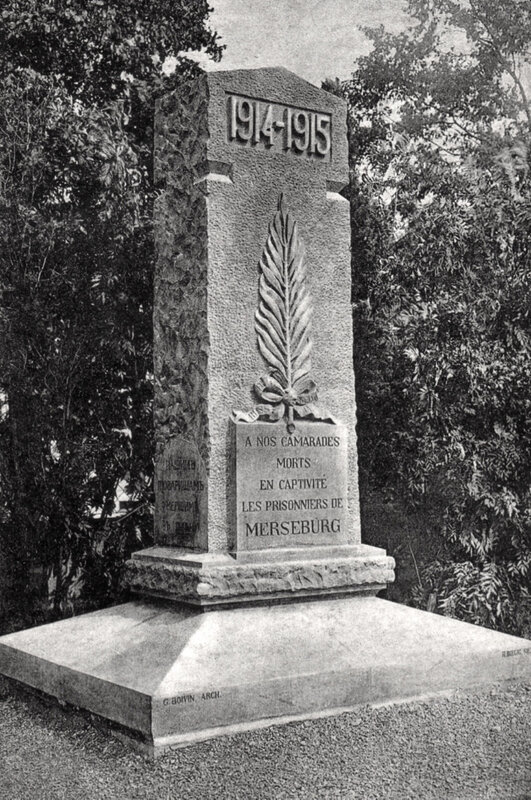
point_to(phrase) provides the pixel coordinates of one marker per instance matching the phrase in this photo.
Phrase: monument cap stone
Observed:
(271, 114)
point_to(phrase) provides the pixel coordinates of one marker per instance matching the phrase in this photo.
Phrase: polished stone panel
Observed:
(181, 486)
(291, 487)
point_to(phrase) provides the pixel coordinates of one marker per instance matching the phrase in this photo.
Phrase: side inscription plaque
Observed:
(181, 495)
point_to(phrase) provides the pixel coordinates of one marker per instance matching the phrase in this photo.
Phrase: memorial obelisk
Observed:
(256, 468)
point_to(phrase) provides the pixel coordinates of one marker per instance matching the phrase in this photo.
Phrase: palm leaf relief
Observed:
(282, 323)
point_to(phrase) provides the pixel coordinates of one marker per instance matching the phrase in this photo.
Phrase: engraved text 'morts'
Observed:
(291, 489)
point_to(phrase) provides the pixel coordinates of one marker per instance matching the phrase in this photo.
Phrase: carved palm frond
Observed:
(284, 312)
(282, 323)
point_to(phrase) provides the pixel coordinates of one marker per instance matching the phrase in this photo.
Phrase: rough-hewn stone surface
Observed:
(233, 583)
(181, 335)
(217, 201)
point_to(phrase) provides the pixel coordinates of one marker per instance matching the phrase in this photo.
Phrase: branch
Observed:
(129, 513)
(466, 131)
(504, 61)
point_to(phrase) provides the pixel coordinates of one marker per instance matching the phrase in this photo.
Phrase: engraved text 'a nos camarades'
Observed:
(291, 487)
(271, 125)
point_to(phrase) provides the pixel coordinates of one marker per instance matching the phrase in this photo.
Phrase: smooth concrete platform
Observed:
(173, 676)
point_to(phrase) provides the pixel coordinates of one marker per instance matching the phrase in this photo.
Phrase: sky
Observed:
(316, 39)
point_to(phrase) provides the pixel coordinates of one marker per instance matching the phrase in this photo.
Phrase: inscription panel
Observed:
(264, 126)
(180, 495)
(291, 488)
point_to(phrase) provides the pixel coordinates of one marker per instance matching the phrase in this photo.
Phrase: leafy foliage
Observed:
(102, 50)
(441, 202)
(79, 84)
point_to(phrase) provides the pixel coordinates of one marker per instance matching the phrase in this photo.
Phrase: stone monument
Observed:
(256, 517)
(256, 468)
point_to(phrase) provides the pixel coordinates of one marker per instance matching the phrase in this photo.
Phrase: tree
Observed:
(79, 85)
(441, 210)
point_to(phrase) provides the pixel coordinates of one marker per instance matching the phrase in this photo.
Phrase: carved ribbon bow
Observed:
(297, 401)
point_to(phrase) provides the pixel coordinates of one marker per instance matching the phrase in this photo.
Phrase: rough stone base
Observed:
(207, 579)
(175, 676)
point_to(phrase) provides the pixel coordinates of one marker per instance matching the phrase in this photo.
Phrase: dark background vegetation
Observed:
(441, 218)
(441, 224)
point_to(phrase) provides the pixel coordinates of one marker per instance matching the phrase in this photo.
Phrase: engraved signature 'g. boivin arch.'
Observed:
(282, 324)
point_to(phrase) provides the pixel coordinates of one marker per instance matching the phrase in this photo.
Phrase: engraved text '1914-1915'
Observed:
(271, 125)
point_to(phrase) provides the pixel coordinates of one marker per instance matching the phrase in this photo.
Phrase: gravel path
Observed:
(464, 747)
